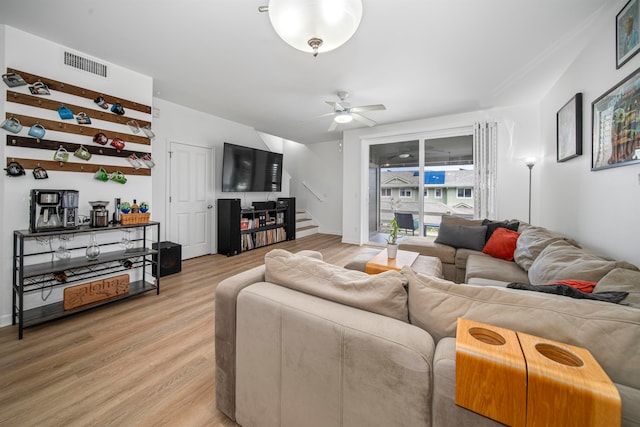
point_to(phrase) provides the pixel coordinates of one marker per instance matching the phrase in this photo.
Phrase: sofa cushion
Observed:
(382, 293)
(561, 261)
(611, 332)
(531, 242)
(492, 226)
(458, 220)
(502, 244)
(462, 236)
(483, 266)
(428, 247)
(622, 279)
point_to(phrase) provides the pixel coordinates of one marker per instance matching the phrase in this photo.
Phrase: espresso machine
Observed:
(53, 210)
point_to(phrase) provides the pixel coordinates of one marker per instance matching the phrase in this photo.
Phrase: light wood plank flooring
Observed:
(147, 361)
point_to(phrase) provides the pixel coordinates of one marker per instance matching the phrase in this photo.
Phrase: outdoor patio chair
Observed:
(405, 222)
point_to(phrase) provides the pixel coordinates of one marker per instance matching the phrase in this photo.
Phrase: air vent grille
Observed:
(85, 64)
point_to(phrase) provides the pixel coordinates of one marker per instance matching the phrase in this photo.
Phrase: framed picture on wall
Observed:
(627, 23)
(569, 129)
(616, 125)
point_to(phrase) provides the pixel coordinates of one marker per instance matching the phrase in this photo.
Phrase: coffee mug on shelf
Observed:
(118, 176)
(37, 131)
(134, 126)
(117, 143)
(117, 108)
(40, 173)
(13, 80)
(65, 113)
(14, 169)
(134, 161)
(82, 153)
(148, 160)
(39, 88)
(12, 125)
(100, 138)
(101, 102)
(61, 155)
(83, 119)
(147, 131)
(101, 175)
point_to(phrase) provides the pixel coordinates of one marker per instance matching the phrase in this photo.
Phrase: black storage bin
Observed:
(170, 258)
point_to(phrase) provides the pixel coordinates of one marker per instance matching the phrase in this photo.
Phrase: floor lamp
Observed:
(530, 162)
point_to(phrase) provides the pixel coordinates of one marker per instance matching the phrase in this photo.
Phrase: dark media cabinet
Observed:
(241, 230)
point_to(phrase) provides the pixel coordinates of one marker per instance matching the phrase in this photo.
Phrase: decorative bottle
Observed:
(93, 250)
(134, 207)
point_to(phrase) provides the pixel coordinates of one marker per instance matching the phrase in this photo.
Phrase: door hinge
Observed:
(170, 154)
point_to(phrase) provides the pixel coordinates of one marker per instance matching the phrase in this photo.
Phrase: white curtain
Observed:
(485, 141)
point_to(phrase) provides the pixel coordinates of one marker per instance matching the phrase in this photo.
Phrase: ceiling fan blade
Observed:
(333, 126)
(362, 108)
(337, 106)
(322, 115)
(362, 119)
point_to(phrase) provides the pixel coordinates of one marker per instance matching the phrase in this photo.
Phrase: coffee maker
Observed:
(53, 210)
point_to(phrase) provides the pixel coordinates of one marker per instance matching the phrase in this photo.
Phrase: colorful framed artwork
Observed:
(616, 125)
(627, 23)
(569, 129)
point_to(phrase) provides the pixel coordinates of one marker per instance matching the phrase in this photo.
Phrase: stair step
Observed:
(306, 227)
(298, 220)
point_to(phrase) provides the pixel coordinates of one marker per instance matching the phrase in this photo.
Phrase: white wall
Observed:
(320, 167)
(518, 138)
(598, 208)
(35, 55)
(176, 123)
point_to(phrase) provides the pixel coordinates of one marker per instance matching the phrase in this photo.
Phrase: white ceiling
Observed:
(421, 58)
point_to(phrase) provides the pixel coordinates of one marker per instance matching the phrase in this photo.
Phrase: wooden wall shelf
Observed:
(48, 144)
(79, 91)
(69, 127)
(42, 101)
(52, 165)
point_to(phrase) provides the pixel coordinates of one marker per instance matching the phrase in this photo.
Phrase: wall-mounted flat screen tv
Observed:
(248, 169)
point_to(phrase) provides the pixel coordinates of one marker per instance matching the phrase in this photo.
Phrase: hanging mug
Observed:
(40, 173)
(101, 175)
(147, 131)
(147, 160)
(14, 169)
(134, 126)
(101, 102)
(37, 131)
(118, 176)
(134, 161)
(117, 143)
(100, 138)
(117, 108)
(39, 88)
(65, 113)
(83, 119)
(61, 155)
(13, 79)
(82, 153)
(12, 125)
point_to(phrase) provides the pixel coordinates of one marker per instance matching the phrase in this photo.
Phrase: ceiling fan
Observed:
(343, 112)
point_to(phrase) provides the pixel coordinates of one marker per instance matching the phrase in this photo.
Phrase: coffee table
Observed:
(382, 262)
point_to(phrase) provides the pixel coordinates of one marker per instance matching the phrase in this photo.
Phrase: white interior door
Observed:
(191, 199)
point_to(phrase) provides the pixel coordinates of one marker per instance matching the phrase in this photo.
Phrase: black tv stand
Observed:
(265, 223)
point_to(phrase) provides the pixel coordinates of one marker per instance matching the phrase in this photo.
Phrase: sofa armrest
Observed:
(225, 339)
(298, 354)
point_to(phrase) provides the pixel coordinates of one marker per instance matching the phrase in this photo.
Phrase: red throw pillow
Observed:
(581, 285)
(502, 244)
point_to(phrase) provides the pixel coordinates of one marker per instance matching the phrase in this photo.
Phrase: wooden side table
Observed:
(382, 262)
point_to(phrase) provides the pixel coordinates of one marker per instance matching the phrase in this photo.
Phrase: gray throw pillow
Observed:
(461, 236)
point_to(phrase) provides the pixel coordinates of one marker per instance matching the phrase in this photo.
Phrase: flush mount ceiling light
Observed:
(343, 117)
(314, 25)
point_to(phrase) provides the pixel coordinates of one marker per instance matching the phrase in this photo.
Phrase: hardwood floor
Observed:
(147, 361)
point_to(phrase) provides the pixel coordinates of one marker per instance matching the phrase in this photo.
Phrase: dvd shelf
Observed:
(267, 223)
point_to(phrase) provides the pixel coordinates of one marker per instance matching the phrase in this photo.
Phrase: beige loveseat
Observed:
(300, 342)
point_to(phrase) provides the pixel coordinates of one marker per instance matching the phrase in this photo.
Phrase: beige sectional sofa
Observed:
(302, 342)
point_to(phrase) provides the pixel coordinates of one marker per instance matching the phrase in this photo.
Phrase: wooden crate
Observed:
(135, 218)
(98, 290)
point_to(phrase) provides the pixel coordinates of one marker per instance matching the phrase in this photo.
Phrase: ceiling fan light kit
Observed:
(343, 117)
(314, 26)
